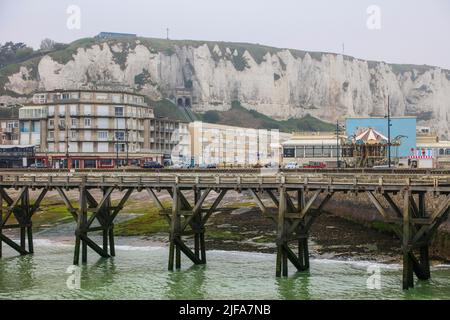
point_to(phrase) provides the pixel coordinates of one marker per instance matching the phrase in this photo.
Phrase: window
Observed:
(25, 126)
(62, 124)
(102, 135)
(87, 122)
(120, 135)
(65, 96)
(118, 111)
(87, 147)
(51, 123)
(86, 95)
(299, 151)
(309, 152)
(116, 98)
(73, 110)
(51, 110)
(102, 110)
(73, 134)
(90, 163)
(87, 109)
(73, 122)
(289, 152)
(101, 96)
(51, 134)
(106, 162)
(35, 126)
(119, 147)
(102, 123)
(62, 110)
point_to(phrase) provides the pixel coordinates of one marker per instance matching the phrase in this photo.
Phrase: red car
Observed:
(315, 165)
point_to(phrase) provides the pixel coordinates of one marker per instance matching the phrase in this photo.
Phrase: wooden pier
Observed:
(298, 199)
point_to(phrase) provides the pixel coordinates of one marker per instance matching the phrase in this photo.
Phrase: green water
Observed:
(140, 273)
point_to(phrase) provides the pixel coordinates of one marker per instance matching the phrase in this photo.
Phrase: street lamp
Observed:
(389, 131)
(116, 138)
(338, 130)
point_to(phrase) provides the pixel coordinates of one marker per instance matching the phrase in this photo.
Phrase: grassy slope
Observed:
(166, 109)
(241, 117)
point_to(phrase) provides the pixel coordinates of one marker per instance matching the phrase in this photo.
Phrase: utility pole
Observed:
(67, 145)
(116, 138)
(167, 33)
(389, 132)
(337, 144)
(126, 131)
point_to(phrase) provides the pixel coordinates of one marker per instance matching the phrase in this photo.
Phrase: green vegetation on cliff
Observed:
(242, 117)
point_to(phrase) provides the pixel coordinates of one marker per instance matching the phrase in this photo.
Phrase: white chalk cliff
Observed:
(280, 83)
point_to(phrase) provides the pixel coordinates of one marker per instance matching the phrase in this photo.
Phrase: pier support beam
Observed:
(22, 210)
(294, 225)
(415, 228)
(101, 211)
(188, 220)
(408, 279)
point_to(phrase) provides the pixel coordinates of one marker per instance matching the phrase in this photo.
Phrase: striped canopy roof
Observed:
(370, 136)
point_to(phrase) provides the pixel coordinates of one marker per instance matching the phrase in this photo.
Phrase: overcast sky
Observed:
(411, 31)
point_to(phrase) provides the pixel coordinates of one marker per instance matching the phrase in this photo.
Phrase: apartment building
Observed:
(9, 131)
(88, 129)
(169, 138)
(429, 145)
(225, 145)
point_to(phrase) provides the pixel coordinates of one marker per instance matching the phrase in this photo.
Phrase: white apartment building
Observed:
(88, 129)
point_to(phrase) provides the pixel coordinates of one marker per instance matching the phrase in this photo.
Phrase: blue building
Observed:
(400, 126)
(115, 35)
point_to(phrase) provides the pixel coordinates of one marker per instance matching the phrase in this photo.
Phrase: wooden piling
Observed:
(173, 229)
(281, 256)
(408, 277)
(82, 211)
(112, 248)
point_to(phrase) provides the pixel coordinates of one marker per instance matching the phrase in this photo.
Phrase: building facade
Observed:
(430, 146)
(224, 145)
(168, 138)
(88, 129)
(9, 131)
(306, 147)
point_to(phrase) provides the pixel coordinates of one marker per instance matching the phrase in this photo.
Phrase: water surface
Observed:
(141, 273)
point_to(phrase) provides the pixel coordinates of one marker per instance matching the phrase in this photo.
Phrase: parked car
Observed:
(315, 165)
(152, 165)
(37, 165)
(271, 165)
(211, 166)
(291, 165)
(181, 166)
